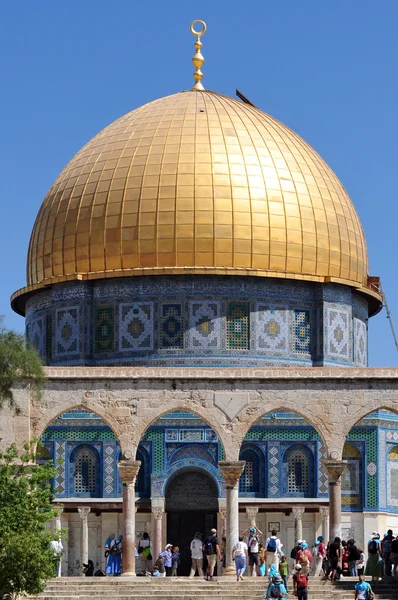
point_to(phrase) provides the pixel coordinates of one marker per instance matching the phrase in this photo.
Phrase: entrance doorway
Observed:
(191, 506)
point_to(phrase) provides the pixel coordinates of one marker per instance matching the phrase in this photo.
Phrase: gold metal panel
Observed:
(167, 183)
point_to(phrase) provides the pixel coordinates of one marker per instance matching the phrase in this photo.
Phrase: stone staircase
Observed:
(182, 588)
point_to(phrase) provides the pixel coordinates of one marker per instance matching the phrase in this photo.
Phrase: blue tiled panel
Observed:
(194, 321)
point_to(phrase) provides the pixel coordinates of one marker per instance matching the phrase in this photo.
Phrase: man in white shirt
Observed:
(253, 550)
(197, 555)
(273, 550)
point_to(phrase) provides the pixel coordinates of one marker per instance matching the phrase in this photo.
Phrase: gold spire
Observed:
(198, 59)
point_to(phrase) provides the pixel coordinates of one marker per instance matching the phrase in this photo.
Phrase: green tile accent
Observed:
(238, 326)
(104, 335)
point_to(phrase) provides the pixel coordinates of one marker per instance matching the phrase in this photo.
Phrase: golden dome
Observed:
(197, 182)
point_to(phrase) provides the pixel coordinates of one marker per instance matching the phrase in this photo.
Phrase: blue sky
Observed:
(327, 69)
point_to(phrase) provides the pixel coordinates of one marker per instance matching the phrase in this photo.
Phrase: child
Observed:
(284, 570)
(154, 573)
(361, 563)
(263, 565)
(175, 560)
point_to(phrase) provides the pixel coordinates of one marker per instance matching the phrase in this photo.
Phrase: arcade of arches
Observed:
(311, 453)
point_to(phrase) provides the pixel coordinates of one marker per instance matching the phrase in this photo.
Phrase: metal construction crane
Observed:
(389, 317)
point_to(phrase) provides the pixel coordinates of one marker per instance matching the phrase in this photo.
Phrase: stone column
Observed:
(298, 523)
(58, 527)
(324, 511)
(158, 529)
(251, 512)
(128, 470)
(83, 512)
(231, 471)
(334, 470)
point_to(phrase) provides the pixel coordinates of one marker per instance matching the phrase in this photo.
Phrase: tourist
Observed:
(352, 558)
(319, 554)
(304, 558)
(109, 540)
(88, 569)
(300, 583)
(197, 555)
(361, 562)
(373, 562)
(362, 589)
(239, 555)
(175, 560)
(263, 565)
(159, 565)
(144, 551)
(335, 557)
(57, 548)
(394, 557)
(252, 542)
(386, 552)
(284, 570)
(114, 565)
(153, 573)
(294, 551)
(166, 554)
(273, 549)
(211, 549)
(276, 589)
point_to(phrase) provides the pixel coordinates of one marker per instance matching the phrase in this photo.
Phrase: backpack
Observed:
(271, 547)
(372, 547)
(208, 547)
(394, 546)
(276, 591)
(387, 545)
(301, 580)
(354, 553)
(293, 553)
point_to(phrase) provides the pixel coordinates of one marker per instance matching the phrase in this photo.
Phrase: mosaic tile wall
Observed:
(180, 440)
(198, 321)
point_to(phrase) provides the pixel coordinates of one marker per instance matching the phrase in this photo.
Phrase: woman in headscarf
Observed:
(115, 557)
(373, 562)
(304, 558)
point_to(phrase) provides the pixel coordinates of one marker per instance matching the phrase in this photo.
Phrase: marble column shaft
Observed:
(334, 470)
(231, 471)
(325, 523)
(83, 512)
(157, 542)
(298, 523)
(128, 470)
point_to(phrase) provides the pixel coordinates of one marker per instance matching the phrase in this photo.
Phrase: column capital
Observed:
(128, 470)
(298, 512)
(231, 470)
(334, 470)
(324, 512)
(251, 512)
(158, 513)
(83, 511)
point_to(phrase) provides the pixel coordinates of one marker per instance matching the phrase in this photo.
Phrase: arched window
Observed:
(351, 479)
(251, 482)
(392, 477)
(298, 471)
(84, 472)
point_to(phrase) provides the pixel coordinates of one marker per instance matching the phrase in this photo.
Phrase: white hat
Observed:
(374, 534)
(168, 546)
(297, 567)
(213, 531)
(299, 542)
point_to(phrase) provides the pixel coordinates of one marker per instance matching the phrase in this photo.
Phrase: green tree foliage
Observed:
(18, 363)
(26, 558)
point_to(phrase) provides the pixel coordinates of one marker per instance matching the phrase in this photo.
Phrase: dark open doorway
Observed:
(191, 506)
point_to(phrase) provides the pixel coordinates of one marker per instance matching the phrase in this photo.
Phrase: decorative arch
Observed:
(192, 451)
(252, 480)
(298, 471)
(47, 416)
(213, 417)
(193, 488)
(84, 472)
(160, 482)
